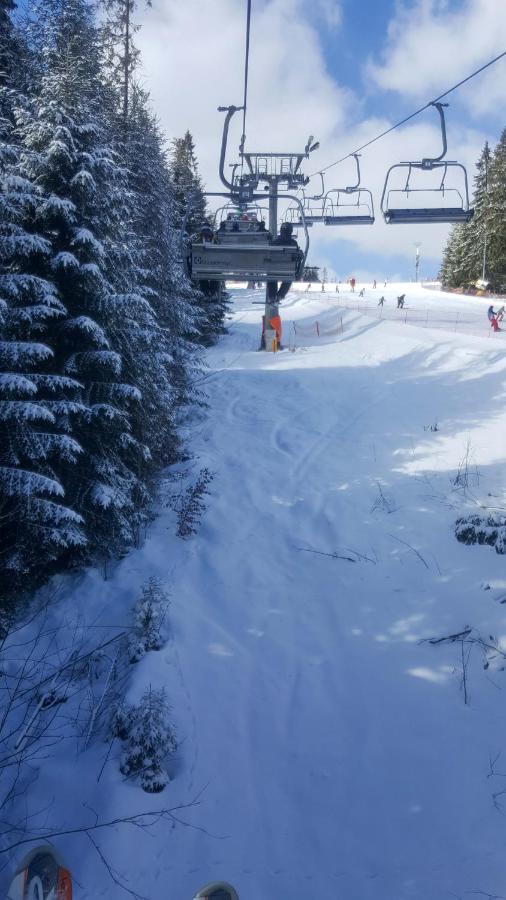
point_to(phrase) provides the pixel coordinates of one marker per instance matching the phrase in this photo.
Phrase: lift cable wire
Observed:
(412, 116)
(246, 72)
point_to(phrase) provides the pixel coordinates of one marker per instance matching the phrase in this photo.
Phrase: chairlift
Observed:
(312, 210)
(314, 213)
(253, 224)
(338, 209)
(293, 216)
(242, 253)
(456, 212)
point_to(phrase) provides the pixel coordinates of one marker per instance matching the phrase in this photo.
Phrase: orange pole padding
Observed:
(275, 324)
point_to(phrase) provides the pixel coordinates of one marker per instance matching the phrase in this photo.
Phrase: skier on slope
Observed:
(381, 301)
(493, 318)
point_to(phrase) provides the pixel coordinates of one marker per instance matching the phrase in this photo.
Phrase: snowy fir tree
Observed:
(148, 739)
(65, 152)
(100, 328)
(150, 613)
(121, 56)
(187, 183)
(496, 243)
(36, 527)
(188, 189)
(479, 247)
(163, 357)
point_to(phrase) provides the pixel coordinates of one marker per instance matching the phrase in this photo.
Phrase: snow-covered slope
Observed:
(330, 753)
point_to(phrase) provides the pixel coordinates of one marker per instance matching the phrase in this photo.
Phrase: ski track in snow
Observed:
(330, 753)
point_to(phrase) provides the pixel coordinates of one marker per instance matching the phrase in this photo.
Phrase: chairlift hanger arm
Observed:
(316, 196)
(230, 111)
(354, 187)
(428, 163)
(322, 192)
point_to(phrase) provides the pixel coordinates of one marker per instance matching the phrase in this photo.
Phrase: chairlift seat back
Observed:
(348, 220)
(430, 215)
(245, 262)
(238, 237)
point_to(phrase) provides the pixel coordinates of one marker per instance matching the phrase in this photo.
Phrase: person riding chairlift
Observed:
(284, 239)
(209, 287)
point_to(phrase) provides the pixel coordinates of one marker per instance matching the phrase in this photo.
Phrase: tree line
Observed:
(477, 250)
(101, 333)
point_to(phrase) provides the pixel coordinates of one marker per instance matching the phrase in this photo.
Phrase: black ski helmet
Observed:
(286, 228)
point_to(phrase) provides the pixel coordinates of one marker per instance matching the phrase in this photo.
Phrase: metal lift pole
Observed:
(271, 306)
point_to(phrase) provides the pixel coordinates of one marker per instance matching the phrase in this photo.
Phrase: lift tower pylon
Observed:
(274, 170)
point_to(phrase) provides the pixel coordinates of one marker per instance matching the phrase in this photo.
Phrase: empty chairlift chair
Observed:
(294, 217)
(450, 204)
(352, 205)
(313, 208)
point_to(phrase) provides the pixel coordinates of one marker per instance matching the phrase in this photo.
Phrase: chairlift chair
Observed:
(313, 210)
(244, 228)
(457, 212)
(339, 210)
(293, 216)
(242, 255)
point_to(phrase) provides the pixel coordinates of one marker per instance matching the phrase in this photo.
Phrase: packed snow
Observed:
(323, 751)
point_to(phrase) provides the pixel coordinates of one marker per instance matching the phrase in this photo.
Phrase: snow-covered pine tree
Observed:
(187, 183)
(453, 271)
(120, 54)
(475, 238)
(35, 527)
(149, 739)
(150, 614)
(169, 362)
(188, 188)
(83, 214)
(15, 62)
(156, 358)
(463, 256)
(496, 243)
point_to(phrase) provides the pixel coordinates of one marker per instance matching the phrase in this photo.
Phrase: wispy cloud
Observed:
(429, 46)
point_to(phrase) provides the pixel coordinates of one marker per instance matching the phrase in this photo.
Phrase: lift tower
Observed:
(274, 170)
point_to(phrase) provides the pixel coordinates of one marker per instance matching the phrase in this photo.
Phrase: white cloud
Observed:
(330, 12)
(193, 56)
(430, 46)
